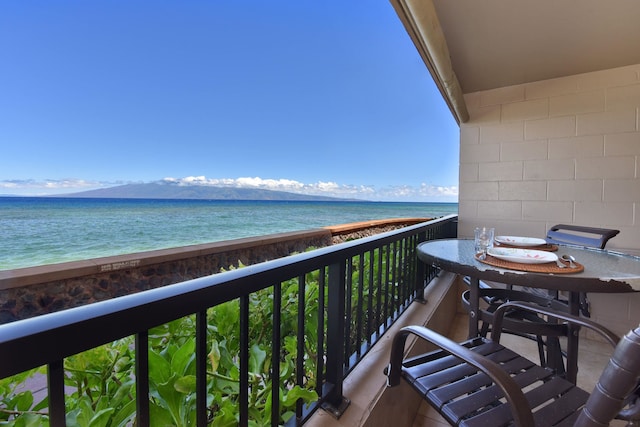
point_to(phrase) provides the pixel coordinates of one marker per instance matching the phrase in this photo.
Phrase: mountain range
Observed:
(206, 192)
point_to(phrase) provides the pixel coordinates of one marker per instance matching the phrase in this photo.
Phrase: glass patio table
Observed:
(604, 272)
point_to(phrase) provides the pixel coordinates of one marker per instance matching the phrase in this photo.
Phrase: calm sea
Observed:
(36, 231)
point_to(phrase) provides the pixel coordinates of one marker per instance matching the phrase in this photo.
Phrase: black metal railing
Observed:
(326, 308)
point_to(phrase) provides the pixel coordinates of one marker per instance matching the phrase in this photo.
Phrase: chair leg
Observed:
(541, 353)
(484, 330)
(584, 305)
(554, 355)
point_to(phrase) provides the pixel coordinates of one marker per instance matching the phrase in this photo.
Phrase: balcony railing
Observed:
(325, 309)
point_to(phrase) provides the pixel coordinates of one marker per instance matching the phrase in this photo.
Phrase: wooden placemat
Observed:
(546, 247)
(547, 267)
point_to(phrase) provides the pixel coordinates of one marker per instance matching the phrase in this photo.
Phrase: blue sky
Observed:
(327, 97)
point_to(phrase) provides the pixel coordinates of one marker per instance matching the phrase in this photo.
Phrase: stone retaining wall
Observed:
(29, 292)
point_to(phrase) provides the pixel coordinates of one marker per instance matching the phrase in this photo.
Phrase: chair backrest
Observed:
(616, 384)
(592, 237)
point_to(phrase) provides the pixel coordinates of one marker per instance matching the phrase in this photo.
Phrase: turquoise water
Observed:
(37, 231)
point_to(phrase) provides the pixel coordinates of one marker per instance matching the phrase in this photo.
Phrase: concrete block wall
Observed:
(565, 150)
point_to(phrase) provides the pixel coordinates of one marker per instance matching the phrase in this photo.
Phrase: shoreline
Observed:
(43, 232)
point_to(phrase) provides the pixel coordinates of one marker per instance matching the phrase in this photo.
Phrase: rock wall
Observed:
(138, 273)
(30, 292)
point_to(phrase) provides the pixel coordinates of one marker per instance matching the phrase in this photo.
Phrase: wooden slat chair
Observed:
(529, 325)
(481, 383)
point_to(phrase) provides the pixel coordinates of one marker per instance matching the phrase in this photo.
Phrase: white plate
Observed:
(520, 241)
(524, 256)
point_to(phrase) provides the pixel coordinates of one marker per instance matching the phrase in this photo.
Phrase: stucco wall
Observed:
(565, 150)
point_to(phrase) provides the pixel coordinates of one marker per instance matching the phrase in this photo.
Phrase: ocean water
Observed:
(37, 231)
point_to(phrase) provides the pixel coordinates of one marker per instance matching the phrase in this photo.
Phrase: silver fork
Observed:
(560, 264)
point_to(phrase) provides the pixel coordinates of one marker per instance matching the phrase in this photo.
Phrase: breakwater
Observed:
(32, 291)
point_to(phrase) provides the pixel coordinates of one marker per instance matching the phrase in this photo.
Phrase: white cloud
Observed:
(257, 182)
(423, 192)
(34, 187)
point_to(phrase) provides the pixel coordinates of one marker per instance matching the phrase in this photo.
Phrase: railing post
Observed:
(453, 228)
(143, 418)
(55, 385)
(201, 369)
(421, 272)
(334, 402)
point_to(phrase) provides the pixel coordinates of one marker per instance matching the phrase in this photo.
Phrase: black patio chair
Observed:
(481, 383)
(590, 237)
(530, 325)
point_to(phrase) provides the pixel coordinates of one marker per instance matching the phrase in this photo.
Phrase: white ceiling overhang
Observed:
(475, 45)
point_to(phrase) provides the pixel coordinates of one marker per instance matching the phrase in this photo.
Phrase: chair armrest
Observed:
(609, 336)
(512, 392)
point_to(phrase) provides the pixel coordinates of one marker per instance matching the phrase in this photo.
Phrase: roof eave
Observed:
(421, 23)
